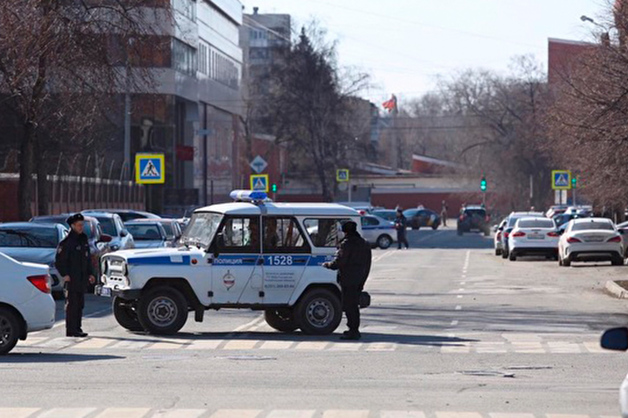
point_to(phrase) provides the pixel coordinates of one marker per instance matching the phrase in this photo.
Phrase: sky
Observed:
(406, 45)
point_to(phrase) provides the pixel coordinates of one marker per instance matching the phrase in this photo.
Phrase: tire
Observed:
(415, 228)
(281, 319)
(560, 261)
(9, 330)
(566, 262)
(504, 254)
(319, 312)
(498, 252)
(126, 316)
(617, 261)
(435, 226)
(384, 242)
(172, 314)
(512, 256)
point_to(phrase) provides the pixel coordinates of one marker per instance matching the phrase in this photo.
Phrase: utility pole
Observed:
(127, 109)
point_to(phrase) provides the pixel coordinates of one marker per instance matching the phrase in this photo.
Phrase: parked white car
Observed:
(378, 231)
(591, 239)
(26, 304)
(497, 238)
(533, 236)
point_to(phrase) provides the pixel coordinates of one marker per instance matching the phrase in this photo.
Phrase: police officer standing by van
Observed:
(353, 262)
(74, 264)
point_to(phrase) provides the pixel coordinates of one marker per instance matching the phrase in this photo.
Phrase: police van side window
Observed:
(283, 235)
(324, 232)
(241, 235)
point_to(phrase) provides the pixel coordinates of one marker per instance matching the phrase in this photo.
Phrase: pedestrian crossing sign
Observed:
(561, 180)
(342, 175)
(259, 182)
(150, 169)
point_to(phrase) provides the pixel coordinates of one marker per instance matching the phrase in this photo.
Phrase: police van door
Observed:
(239, 260)
(286, 255)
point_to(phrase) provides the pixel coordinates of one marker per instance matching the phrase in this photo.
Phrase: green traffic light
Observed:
(483, 185)
(574, 182)
(273, 188)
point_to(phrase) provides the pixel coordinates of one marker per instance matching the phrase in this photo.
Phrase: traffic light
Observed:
(273, 188)
(574, 182)
(483, 185)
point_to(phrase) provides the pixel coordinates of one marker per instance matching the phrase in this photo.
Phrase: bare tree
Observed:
(61, 65)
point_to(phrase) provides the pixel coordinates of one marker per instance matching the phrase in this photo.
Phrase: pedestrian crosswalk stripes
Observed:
(453, 344)
(260, 413)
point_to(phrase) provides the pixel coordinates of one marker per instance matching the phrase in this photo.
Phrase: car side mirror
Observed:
(500, 229)
(615, 339)
(105, 238)
(219, 243)
(621, 231)
(124, 233)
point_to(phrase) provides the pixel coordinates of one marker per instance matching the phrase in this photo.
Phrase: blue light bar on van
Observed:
(248, 196)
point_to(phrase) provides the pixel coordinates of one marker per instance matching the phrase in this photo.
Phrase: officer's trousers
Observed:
(351, 307)
(401, 238)
(74, 304)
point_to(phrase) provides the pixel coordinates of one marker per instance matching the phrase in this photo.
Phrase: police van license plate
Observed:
(103, 291)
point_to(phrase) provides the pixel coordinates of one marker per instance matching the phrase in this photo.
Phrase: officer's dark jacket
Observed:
(353, 261)
(401, 223)
(73, 259)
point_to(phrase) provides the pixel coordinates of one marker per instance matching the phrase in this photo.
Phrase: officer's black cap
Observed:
(349, 226)
(75, 218)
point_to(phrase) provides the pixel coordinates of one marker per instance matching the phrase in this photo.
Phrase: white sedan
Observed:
(26, 304)
(533, 236)
(591, 239)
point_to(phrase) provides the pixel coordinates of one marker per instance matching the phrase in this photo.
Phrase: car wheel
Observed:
(9, 330)
(560, 261)
(435, 226)
(384, 242)
(566, 262)
(163, 311)
(512, 256)
(281, 319)
(319, 312)
(504, 254)
(617, 261)
(125, 315)
(498, 251)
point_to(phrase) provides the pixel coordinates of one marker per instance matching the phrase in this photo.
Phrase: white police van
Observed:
(252, 254)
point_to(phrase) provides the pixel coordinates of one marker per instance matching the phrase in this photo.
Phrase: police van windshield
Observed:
(201, 229)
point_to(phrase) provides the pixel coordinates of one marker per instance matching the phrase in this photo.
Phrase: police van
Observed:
(249, 254)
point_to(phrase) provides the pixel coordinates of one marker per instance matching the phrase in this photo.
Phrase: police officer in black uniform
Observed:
(353, 262)
(74, 264)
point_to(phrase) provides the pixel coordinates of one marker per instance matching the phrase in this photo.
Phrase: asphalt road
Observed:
(454, 332)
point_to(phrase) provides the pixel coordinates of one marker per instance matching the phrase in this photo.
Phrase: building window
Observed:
(225, 70)
(203, 58)
(184, 58)
(186, 7)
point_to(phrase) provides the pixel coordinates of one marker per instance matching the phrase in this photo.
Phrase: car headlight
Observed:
(114, 247)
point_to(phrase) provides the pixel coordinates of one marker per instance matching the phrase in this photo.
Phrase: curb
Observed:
(616, 290)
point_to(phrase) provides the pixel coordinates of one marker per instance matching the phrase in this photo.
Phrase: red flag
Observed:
(391, 105)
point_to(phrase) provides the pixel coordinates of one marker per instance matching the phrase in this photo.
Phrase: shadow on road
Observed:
(448, 239)
(54, 358)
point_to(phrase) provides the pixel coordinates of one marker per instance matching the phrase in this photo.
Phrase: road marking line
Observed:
(463, 283)
(179, 413)
(566, 416)
(563, 347)
(276, 345)
(167, 345)
(240, 345)
(32, 341)
(450, 349)
(458, 308)
(511, 415)
(17, 412)
(454, 323)
(527, 338)
(67, 413)
(380, 347)
(461, 289)
(312, 345)
(204, 344)
(594, 347)
(402, 414)
(528, 347)
(345, 346)
(338, 413)
(131, 344)
(459, 296)
(236, 413)
(123, 412)
(458, 415)
(291, 414)
(94, 343)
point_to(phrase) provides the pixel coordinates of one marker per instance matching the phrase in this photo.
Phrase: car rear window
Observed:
(475, 212)
(536, 223)
(148, 232)
(586, 226)
(29, 237)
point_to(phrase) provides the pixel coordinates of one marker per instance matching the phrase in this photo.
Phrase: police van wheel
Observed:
(384, 242)
(126, 316)
(163, 311)
(9, 330)
(319, 312)
(281, 319)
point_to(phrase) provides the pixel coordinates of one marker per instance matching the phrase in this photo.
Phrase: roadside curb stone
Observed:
(616, 290)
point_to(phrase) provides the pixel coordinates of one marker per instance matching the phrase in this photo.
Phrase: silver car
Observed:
(378, 231)
(148, 234)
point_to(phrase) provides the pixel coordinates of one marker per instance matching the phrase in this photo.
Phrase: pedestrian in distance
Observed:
(74, 264)
(401, 224)
(443, 213)
(353, 263)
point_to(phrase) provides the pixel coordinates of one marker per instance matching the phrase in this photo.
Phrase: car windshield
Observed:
(536, 223)
(587, 226)
(201, 229)
(29, 237)
(108, 226)
(169, 228)
(129, 216)
(145, 232)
